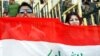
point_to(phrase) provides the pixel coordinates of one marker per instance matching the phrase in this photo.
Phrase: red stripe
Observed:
(50, 30)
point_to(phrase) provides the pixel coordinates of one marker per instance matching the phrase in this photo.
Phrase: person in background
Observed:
(25, 10)
(86, 10)
(95, 10)
(5, 14)
(12, 8)
(73, 19)
(5, 5)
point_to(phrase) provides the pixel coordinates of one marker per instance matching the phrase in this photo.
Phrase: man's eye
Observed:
(21, 12)
(29, 12)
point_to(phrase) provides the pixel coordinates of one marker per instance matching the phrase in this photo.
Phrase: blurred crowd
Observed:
(13, 9)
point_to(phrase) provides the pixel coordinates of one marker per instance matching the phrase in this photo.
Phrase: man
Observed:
(25, 10)
(88, 9)
(5, 5)
(12, 8)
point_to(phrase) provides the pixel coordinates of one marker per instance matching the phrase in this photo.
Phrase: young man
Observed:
(12, 8)
(25, 10)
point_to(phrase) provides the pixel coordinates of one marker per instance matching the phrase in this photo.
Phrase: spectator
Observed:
(65, 4)
(5, 5)
(86, 10)
(73, 19)
(12, 8)
(94, 7)
(5, 14)
(25, 10)
(89, 8)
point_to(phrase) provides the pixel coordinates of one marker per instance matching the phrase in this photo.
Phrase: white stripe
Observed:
(38, 48)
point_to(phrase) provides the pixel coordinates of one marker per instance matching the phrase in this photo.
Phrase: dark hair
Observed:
(41, 1)
(86, 3)
(25, 4)
(68, 17)
(5, 12)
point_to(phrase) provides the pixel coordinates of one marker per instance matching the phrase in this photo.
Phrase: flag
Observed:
(47, 37)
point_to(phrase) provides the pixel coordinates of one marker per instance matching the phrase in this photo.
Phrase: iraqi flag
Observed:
(47, 37)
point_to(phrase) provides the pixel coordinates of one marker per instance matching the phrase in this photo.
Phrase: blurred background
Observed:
(88, 10)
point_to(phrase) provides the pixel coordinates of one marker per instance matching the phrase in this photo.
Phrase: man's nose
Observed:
(25, 12)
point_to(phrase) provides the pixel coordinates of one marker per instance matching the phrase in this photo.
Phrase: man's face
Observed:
(25, 11)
